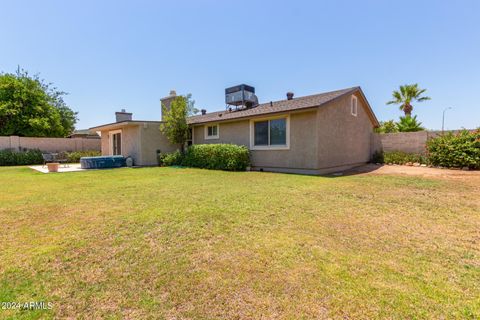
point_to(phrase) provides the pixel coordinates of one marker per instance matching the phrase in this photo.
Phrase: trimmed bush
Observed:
(170, 159)
(74, 157)
(14, 158)
(229, 157)
(455, 150)
(398, 157)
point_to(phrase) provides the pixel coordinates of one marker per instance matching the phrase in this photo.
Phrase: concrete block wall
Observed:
(49, 144)
(410, 142)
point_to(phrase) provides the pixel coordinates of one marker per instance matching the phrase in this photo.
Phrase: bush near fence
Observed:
(398, 157)
(451, 150)
(461, 149)
(31, 157)
(74, 157)
(15, 158)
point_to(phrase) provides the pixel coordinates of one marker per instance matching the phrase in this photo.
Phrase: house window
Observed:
(270, 134)
(211, 131)
(353, 107)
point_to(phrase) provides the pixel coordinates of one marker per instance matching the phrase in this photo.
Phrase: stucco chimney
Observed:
(165, 102)
(123, 116)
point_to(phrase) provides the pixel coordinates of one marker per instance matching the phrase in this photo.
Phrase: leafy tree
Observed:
(389, 126)
(406, 95)
(31, 107)
(409, 124)
(191, 110)
(175, 125)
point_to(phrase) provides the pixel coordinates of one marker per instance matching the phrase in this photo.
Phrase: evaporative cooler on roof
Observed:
(241, 95)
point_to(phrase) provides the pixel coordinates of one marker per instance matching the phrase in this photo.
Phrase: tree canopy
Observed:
(406, 95)
(175, 126)
(31, 107)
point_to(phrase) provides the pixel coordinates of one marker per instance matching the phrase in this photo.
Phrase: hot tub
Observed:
(102, 162)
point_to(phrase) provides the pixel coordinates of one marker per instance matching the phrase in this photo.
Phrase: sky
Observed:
(112, 55)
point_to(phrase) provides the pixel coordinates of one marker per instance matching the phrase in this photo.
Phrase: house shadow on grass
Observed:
(367, 168)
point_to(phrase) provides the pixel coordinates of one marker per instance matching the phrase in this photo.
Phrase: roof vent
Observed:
(289, 95)
(203, 112)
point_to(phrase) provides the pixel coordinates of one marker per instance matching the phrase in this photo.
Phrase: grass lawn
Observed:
(195, 244)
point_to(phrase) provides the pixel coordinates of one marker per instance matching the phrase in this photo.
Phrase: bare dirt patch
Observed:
(415, 171)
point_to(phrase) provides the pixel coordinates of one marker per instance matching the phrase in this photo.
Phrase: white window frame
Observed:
(354, 106)
(207, 137)
(270, 147)
(110, 142)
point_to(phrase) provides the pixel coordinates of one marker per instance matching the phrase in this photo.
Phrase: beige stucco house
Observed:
(314, 134)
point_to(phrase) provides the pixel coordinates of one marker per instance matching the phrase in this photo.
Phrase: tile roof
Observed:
(273, 107)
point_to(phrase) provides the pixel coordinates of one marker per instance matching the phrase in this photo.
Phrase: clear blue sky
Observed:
(116, 54)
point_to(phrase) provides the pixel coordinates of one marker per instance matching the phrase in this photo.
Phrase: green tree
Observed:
(389, 126)
(405, 97)
(191, 110)
(175, 126)
(31, 107)
(409, 124)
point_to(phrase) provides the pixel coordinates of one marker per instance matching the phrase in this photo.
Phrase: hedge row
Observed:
(74, 157)
(13, 158)
(29, 157)
(399, 157)
(228, 157)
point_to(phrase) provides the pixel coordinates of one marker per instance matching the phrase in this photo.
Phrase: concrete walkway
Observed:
(71, 168)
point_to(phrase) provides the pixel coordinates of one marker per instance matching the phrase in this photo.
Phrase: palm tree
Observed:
(407, 94)
(409, 124)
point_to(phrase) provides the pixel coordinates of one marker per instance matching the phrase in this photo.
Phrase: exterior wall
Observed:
(302, 155)
(140, 142)
(229, 132)
(152, 139)
(49, 144)
(130, 142)
(344, 140)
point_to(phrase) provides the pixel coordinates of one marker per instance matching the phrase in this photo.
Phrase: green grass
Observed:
(175, 243)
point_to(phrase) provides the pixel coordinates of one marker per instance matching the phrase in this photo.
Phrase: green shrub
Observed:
(14, 158)
(74, 157)
(409, 124)
(389, 126)
(455, 150)
(170, 159)
(377, 157)
(229, 157)
(398, 157)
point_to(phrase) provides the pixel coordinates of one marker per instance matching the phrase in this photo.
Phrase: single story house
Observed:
(314, 134)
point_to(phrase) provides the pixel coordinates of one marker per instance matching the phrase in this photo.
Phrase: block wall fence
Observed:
(49, 144)
(410, 142)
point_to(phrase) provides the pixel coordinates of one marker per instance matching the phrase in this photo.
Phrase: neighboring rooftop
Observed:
(83, 133)
(305, 102)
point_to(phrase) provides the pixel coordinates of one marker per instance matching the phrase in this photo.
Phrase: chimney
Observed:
(289, 95)
(203, 112)
(123, 116)
(165, 102)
